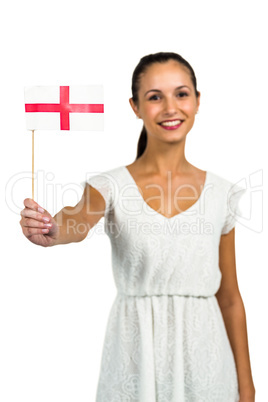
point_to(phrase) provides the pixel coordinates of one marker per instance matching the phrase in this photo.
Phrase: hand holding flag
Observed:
(38, 225)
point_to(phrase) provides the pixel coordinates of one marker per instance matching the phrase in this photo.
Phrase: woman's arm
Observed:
(75, 222)
(71, 224)
(233, 312)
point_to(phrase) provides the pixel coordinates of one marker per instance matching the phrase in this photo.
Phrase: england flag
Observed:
(78, 108)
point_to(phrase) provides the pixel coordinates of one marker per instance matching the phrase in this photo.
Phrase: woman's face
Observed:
(167, 101)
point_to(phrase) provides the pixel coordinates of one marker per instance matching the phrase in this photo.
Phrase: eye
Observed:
(154, 97)
(182, 94)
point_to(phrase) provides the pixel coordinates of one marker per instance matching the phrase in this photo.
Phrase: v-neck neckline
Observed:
(176, 215)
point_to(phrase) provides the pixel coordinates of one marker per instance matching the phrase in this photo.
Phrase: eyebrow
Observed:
(157, 90)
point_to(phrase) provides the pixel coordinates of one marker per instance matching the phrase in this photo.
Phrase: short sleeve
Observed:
(232, 210)
(101, 183)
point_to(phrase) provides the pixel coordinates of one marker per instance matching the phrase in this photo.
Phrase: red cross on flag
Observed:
(72, 107)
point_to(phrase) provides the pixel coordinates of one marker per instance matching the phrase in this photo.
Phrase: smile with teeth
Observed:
(171, 123)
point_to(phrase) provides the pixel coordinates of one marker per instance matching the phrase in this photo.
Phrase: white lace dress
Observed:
(165, 339)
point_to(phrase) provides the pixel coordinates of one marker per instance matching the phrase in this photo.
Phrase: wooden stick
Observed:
(32, 164)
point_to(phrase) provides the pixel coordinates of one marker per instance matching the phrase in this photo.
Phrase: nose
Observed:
(170, 106)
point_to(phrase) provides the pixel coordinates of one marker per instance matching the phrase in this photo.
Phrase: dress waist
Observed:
(163, 295)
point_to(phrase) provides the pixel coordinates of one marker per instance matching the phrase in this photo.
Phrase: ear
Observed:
(198, 101)
(134, 107)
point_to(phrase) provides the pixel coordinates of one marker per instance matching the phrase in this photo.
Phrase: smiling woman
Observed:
(177, 329)
(154, 94)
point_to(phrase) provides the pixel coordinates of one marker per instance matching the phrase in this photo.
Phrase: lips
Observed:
(171, 124)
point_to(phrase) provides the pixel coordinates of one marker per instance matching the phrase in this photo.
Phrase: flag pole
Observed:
(32, 164)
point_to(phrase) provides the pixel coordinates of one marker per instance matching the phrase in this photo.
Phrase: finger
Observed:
(29, 213)
(28, 232)
(33, 223)
(30, 203)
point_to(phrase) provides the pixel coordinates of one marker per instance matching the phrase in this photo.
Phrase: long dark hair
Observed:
(144, 63)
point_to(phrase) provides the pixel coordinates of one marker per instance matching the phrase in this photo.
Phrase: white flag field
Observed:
(74, 107)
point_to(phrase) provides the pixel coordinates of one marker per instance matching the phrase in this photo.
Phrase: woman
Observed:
(177, 328)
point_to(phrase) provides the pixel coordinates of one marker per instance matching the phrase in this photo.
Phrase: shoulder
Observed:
(105, 176)
(220, 180)
(224, 184)
(107, 182)
(225, 193)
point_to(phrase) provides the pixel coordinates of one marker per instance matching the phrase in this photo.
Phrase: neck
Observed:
(159, 160)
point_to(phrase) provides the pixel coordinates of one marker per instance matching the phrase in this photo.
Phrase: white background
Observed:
(55, 302)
